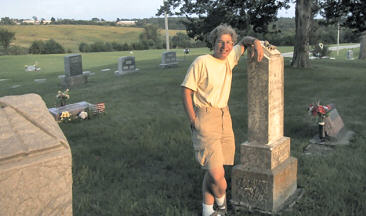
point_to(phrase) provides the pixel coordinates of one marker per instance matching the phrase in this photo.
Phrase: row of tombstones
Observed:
(74, 71)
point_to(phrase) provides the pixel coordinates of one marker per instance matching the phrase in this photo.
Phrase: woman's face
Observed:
(223, 46)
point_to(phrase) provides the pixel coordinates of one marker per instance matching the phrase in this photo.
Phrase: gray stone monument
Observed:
(35, 160)
(73, 71)
(267, 175)
(126, 64)
(168, 59)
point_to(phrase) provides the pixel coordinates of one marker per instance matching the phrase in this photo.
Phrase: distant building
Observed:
(126, 22)
(36, 22)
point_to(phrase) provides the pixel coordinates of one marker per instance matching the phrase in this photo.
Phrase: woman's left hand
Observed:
(258, 48)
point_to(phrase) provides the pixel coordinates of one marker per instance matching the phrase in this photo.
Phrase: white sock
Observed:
(207, 210)
(220, 201)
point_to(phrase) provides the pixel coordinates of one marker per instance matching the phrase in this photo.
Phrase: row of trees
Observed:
(256, 16)
(150, 38)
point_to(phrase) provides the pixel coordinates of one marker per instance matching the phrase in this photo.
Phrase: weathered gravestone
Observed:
(126, 64)
(335, 131)
(267, 175)
(73, 71)
(168, 59)
(35, 160)
(349, 55)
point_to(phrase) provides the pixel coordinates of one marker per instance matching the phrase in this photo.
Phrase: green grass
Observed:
(70, 36)
(137, 159)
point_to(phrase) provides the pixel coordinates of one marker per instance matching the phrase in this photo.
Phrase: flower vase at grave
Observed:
(321, 131)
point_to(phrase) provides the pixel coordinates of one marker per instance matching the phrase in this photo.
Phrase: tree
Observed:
(151, 37)
(6, 37)
(303, 17)
(241, 14)
(6, 21)
(53, 20)
(181, 40)
(347, 13)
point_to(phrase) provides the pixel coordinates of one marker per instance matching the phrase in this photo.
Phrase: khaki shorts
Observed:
(213, 137)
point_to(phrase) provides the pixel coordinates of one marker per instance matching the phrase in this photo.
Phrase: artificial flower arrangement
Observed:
(320, 111)
(62, 97)
(92, 110)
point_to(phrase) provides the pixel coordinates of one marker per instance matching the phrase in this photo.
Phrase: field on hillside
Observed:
(70, 36)
(137, 159)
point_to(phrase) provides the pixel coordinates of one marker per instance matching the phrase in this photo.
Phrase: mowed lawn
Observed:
(137, 159)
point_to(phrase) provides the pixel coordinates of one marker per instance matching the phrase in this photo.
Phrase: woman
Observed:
(205, 92)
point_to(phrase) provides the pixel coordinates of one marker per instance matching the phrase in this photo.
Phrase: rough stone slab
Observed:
(265, 157)
(333, 123)
(267, 190)
(35, 159)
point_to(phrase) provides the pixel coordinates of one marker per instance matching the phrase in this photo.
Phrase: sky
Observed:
(109, 10)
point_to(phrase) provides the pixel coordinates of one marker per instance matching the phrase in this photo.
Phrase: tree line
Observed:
(257, 16)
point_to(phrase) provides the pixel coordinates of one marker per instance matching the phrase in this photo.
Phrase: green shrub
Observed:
(48, 47)
(17, 50)
(52, 47)
(84, 47)
(37, 47)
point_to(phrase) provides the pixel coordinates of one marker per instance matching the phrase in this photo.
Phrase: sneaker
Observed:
(217, 213)
(223, 208)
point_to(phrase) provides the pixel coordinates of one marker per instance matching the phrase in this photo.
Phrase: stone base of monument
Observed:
(168, 65)
(74, 109)
(286, 207)
(317, 146)
(70, 81)
(120, 73)
(266, 177)
(343, 138)
(35, 160)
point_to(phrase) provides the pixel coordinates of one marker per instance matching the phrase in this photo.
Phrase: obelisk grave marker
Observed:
(267, 175)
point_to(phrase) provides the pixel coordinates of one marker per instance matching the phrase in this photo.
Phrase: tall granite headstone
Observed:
(35, 160)
(73, 71)
(267, 175)
(168, 59)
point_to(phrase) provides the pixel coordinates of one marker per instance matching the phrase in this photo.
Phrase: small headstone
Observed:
(73, 65)
(336, 133)
(40, 80)
(333, 123)
(349, 55)
(15, 86)
(73, 71)
(106, 69)
(35, 160)
(1, 80)
(88, 73)
(168, 59)
(126, 64)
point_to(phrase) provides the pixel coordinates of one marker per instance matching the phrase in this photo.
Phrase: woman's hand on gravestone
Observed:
(258, 49)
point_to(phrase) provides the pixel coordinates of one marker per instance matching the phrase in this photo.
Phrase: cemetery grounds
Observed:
(137, 158)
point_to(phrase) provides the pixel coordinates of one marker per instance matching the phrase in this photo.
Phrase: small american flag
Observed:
(100, 107)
